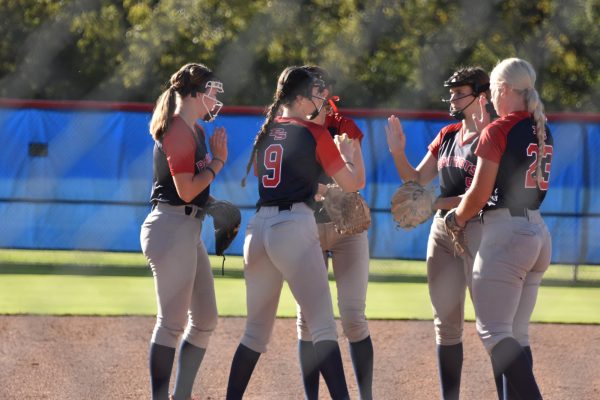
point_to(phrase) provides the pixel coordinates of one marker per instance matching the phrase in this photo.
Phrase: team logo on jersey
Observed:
(201, 164)
(278, 133)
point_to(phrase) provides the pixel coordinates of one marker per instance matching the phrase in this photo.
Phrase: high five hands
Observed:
(485, 116)
(395, 135)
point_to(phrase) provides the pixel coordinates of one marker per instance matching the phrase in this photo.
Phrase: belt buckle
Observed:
(285, 207)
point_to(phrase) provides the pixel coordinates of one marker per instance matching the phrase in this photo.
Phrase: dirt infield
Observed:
(106, 357)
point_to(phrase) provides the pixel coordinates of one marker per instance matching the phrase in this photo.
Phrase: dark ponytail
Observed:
(264, 129)
(293, 81)
(163, 111)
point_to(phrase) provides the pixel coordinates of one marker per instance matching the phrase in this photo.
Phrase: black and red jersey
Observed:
(336, 124)
(181, 150)
(511, 142)
(456, 161)
(290, 159)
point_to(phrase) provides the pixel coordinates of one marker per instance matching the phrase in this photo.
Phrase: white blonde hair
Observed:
(520, 76)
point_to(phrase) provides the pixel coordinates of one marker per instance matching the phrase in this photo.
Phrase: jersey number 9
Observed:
(272, 162)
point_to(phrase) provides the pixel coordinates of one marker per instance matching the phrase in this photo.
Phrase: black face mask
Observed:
(459, 114)
(317, 110)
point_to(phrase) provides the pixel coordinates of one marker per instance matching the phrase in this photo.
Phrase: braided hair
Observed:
(189, 80)
(293, 81)
(521, 76)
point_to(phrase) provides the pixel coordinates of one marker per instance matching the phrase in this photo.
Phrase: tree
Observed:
(383, 53)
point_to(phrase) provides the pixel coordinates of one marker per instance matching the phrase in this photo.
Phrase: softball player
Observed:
(170, 235)
(511, 181)
(450, 156)
(282, 243)
(350, 259)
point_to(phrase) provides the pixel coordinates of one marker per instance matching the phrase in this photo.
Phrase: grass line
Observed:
(89, 283)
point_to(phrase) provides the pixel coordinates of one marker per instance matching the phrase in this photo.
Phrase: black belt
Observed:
(280, 207)
(188, 210)
(514, 212)
(518, 212)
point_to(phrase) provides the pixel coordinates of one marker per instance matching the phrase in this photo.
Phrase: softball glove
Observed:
(348, 211)
(412, 204)
(226, 220)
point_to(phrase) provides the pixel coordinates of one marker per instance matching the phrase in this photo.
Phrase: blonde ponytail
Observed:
(536, 108)
(521, 76)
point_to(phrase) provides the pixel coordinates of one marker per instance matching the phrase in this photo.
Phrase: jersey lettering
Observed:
(272, 162)
(530, 179)
(458, 162)
(468, 182)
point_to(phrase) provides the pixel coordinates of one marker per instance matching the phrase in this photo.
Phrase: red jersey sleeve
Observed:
(328, 155)
(179, 147)
(492, 142)
(434, 146)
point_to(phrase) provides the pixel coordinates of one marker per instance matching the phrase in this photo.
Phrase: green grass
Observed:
(90, 283)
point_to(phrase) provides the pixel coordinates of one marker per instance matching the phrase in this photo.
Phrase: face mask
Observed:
(317, 110)
(319, 83)
(214, 110)
(459, 114)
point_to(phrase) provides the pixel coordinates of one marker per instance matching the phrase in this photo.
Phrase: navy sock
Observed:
(190, 358)
(509, 358)
(161, 363)
(450, 360)
(330, 365)
(529, 354)
(506, 388)
(362, 361)
(309, 368)
(499, 380)
(242, 367)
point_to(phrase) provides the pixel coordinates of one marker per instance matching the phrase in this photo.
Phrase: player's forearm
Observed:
(446, 203)
(189, 185)
(479, 192)
(406, 171)
(359, 165)
(469, 206)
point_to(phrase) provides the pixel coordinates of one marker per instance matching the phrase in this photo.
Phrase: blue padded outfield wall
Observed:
(90, 191)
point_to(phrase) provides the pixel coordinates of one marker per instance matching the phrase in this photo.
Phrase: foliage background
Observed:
(384, 53)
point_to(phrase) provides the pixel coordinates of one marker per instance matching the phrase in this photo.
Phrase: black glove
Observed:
(226, 220)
